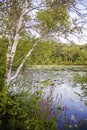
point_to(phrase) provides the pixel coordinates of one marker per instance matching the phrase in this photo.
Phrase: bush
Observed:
(3, 48)
(25, 111)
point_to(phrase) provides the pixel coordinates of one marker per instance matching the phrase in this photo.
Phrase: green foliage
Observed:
(3, 49)
(26, 111)
(49, 53)
(9, 14)
(52, 21)
(55, 18)
(42, 54)
(78, 78)
(45, 53)
(81, 78)
(23, 47)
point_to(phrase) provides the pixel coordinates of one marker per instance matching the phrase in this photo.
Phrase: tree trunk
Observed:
(11, 54)
(22, 63)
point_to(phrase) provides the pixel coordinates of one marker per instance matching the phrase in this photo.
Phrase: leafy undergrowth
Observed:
(27, 111)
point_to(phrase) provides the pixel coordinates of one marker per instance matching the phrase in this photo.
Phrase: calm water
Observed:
(72, 96)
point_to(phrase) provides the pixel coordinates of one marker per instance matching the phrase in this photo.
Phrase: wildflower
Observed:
(52, 114)
(43, 105)
(50, 107)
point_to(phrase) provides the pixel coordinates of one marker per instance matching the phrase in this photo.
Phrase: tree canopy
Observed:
(53, 17)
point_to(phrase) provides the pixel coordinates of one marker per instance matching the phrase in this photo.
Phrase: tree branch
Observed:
(24, 60)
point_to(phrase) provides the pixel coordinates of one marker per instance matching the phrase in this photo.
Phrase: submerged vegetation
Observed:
(80, 78)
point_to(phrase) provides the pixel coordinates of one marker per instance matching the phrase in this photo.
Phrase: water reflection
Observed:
(73, 97)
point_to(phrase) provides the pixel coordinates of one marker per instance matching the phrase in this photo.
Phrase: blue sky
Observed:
(80, 38)
(83, 9)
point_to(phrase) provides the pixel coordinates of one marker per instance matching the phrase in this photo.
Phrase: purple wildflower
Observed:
(50, 107)
(43, 105)
(52, 114)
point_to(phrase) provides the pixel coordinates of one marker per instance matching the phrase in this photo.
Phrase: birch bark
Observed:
(11, 54)
(22, 63)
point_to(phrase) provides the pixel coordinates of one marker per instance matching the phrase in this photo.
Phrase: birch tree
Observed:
(12, 29)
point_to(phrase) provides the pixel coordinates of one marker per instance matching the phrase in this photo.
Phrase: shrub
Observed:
(25, 111)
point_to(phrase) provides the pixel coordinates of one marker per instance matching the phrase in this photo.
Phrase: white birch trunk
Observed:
(8, 58)
(22, 63)
(16, 39)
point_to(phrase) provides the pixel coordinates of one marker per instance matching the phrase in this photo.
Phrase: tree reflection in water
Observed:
(73, 118)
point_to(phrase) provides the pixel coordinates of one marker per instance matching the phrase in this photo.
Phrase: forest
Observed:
(51, 53)
(48, 53)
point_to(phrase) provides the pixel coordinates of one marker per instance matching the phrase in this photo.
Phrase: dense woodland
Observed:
(49, 53)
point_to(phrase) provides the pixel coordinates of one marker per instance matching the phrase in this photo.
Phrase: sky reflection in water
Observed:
(74, 113)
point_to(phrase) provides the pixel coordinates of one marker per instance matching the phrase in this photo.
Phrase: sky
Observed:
(83, 9)
(80, 38)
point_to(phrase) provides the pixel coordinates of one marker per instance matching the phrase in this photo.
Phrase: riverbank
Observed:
(59, 67)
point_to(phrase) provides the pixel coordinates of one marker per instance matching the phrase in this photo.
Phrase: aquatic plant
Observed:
(80, 78)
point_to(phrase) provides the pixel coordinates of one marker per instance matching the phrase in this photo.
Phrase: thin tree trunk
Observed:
(22, 63)
(16, 39)
(8, 59)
